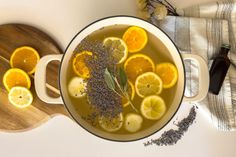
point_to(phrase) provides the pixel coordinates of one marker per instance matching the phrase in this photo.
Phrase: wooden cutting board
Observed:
(13, 119)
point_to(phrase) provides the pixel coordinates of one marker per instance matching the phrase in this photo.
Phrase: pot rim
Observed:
(73, 117)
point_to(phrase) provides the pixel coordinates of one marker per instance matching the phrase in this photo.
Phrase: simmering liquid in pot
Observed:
(132, 120)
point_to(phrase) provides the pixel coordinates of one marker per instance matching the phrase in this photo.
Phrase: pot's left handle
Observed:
(40, 79)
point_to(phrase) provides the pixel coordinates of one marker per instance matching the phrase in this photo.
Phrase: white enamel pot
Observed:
(164, 44)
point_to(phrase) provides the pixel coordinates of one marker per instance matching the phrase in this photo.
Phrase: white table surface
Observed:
(61, 137)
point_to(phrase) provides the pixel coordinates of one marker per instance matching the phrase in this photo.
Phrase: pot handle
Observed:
(203, 73)
(40, 79)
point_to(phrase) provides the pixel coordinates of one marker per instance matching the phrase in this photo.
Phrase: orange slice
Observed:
(25, 58)
(79, 65)
(137, 65)
(135, 38)
(168, 74)
(16, 77)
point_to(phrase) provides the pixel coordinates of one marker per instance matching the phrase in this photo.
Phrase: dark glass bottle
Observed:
(219, 69)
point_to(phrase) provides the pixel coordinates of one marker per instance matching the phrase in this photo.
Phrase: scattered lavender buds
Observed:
(172, 136)
(100, 96)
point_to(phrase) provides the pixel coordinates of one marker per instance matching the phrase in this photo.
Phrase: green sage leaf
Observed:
(109, 80)
(123, 79)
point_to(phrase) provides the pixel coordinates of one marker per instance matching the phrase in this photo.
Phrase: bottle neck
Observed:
(224, 51)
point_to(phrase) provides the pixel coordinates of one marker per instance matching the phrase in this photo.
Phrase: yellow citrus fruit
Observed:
(131, 92)
(25, 58)
(118, 47)
(20, 97)
(147, 84)
(138, 64)
(135, 38)
(153, 107)
(111, 124)
(168, 74)
(79, 65)
(77, 87)
(16, 77)
(133, 122)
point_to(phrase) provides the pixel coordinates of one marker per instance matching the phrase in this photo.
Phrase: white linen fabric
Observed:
(201, 30)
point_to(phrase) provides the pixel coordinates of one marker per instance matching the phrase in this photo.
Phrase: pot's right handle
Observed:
(40, 79)
(203, 73)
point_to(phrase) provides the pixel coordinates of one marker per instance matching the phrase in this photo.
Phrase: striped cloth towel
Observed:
(201, 30)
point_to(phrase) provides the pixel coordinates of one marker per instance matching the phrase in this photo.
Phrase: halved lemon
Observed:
(131, 92)
(138, 64)
(118, 47)
(79, 65)
(77, 87)
(147, 84)
(135, 38)
(168, 74)
(16, 77)
(111, 124)
(20, 97)
(25, 58)
(153, 107)
(133, 122)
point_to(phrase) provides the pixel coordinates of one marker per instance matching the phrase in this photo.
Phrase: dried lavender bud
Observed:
(100, 96)
(172, 136)
(91, 118)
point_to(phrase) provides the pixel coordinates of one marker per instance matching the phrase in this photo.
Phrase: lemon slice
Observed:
(133, 122)
(20, 97)
(168, 74)
(111, 124)
(147, 84)
(118, 48)
(77, 87)
(153, 107)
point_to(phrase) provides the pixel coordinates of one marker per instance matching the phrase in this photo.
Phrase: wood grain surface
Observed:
(13, 119)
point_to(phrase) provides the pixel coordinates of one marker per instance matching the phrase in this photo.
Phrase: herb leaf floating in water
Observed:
(123, 79)
(109, 80)
(122, 86)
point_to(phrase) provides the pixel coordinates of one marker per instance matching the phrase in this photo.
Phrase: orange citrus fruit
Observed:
(16, 77)
(135, 38)
(79, 65)
(25, 58)
(131, 92)
(168, 73)
(137, 65)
